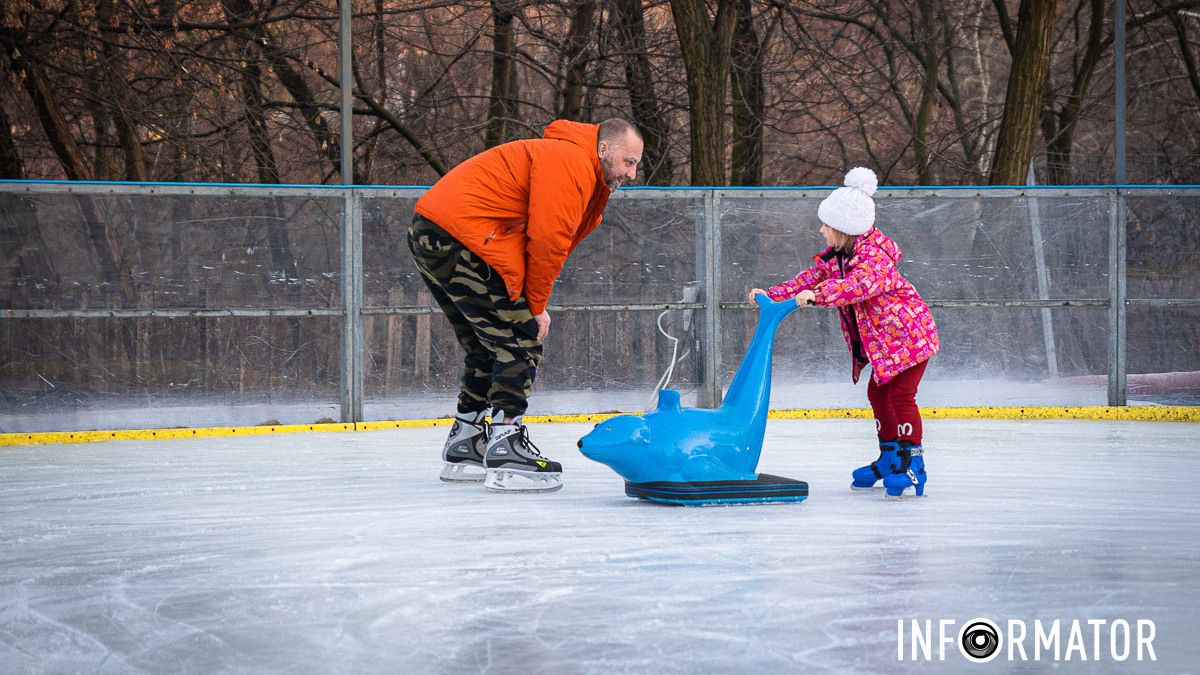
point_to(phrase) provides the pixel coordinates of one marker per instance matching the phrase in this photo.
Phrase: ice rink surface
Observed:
(317, 553)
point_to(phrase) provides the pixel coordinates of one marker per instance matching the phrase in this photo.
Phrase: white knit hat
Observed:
(850, 209)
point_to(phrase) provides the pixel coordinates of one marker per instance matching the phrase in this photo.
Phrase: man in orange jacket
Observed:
(489, 239)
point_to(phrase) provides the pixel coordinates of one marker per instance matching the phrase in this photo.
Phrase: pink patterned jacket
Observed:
(896, 327)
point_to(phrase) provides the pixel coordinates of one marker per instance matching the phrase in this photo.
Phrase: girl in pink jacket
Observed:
(884, 320)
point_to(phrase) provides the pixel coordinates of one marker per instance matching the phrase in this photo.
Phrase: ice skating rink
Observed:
(342, 552)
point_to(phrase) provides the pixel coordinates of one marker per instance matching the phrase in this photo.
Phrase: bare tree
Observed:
(502, 111)
(1186, 51)
(582, 13)
(10, 159)
(931, 60)
(116, 90)
(705, 39)
(122, 103)
(646, 109)
(749, 108)
(1026, 85)
(1061, 114)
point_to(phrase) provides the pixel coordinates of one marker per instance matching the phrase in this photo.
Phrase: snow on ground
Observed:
(344, 553)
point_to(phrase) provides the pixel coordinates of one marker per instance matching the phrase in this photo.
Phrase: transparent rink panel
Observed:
(158, 251)
(1163, 357)
(389, 277)
(1162, 247)
(974, 248)
(89, 374)
(643, 251)
(592, 362)
(955, 248)
(989, 356)
(765, 240)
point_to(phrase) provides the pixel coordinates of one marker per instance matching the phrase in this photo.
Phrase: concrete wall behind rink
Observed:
(239, 305)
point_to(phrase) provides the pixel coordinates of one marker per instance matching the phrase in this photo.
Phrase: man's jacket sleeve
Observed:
(560, 185)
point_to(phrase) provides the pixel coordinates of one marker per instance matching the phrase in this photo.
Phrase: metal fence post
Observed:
(352, 300)
(351, 384)
(1116, 246)
(1116, 300)
(709, 395)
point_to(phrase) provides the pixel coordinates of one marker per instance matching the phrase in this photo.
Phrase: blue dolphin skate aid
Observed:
(695, 456)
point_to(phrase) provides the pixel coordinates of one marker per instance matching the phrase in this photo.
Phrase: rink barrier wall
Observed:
(352, 308)
(1115, 413)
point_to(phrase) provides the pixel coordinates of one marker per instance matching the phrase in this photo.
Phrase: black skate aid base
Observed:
(766, 488)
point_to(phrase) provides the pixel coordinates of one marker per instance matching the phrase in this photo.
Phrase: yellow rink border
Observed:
(1126, 413)
(163, 434)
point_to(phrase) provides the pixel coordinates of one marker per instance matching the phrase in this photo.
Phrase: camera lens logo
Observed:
(979, 640)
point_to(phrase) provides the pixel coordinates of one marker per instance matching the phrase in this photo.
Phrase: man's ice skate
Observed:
(462, 456)
(514, 464)
(909, 480)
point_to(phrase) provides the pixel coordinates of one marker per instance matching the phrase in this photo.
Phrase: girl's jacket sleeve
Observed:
(806, 280)
(869, 278)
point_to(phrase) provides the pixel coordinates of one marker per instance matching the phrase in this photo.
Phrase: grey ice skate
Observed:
(462, 456)
(514, 464)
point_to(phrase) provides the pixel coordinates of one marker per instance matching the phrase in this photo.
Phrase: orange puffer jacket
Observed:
(524, 206)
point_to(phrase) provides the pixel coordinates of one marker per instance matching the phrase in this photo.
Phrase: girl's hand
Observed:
(805, 298)
(754, 292)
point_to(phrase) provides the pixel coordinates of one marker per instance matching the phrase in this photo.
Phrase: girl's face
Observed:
(832, 236)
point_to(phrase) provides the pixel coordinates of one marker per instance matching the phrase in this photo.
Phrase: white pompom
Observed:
(862, 178)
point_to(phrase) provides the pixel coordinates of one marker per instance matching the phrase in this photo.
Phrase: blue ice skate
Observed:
(865, 477)
(911, 474)
(694, 456)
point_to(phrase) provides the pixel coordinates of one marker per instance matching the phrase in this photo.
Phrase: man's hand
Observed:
(805, 298)
(543, 324)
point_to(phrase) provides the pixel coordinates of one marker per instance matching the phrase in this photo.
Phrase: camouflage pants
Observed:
(498, 335)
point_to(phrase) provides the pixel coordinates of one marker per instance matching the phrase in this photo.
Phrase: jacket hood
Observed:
(876, 239)
(580, 133)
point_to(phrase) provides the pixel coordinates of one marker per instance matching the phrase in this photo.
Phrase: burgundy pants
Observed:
(895, 405)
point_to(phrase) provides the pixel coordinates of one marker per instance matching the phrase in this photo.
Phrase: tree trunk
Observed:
(749, 109)
(929, 91)
(631, 36)
(960, 87)
(1058, 129)
(1185, 50)
(328, 146)
(254, 115)
(50, 114)
(122, 98)
(705, 45)
(582, 13)
(1023, 100)
(10, 160)
(502, 111)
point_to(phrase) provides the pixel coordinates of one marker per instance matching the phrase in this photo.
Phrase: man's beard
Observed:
(611, 179)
